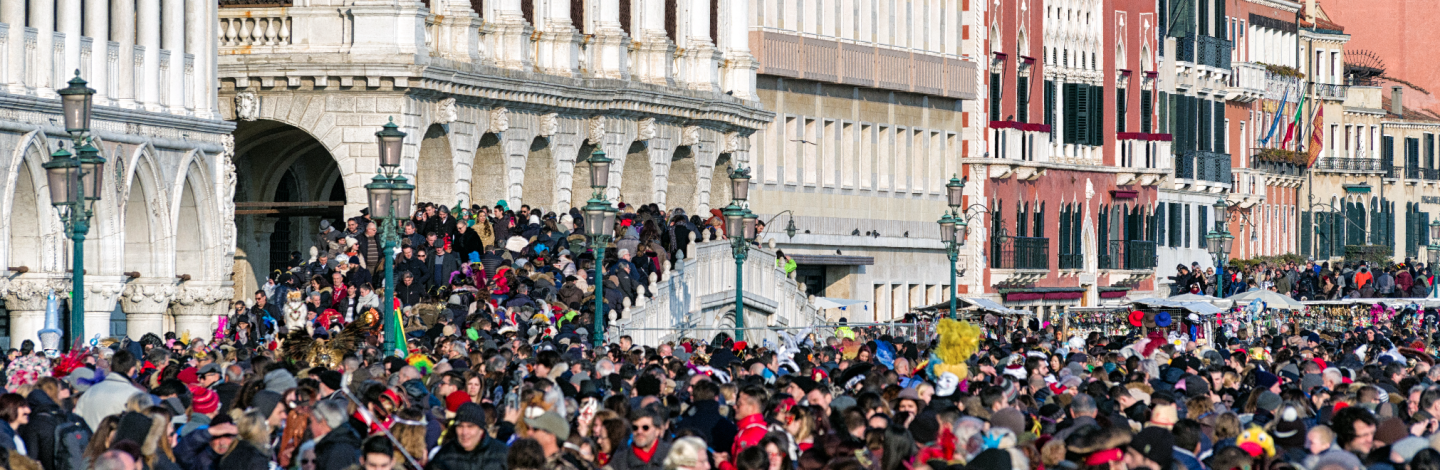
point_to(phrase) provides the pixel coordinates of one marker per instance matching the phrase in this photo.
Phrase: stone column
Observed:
(101, 295)
(197, 308)
(145, 305)
(700, 62)
(511, 35)
(122, 32)
(381, 27)
(559, 51)
(609, 54)
(42, 18)
(655, 52)
(12, 13)
(738, 75)
(98, 30)
(197, 21)
(25, 299)
(147, 76)
(459, 35)
(173, 20)
(68, 11)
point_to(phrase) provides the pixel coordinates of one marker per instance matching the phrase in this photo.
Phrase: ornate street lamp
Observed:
(600, 227)
(1218, 243)
(951, 225)
(75, 181)
(1433, 251)
(740, 228)
(390, 197)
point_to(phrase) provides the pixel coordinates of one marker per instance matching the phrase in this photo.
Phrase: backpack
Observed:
(72, 435)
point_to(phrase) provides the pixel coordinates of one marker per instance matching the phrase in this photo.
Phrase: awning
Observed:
(833, 302)
(993, 306)
(1203, 308)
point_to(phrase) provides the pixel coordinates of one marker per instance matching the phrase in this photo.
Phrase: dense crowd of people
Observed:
(497, 372)
(1310, 280)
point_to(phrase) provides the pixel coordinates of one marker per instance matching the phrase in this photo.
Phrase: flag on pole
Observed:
(1317, 142)
(1275, 118)
(1290, 130)
(399, 331)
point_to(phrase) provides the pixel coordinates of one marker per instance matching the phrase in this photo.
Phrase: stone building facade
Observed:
(157, 257)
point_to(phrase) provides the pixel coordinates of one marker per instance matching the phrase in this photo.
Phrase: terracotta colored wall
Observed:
(1402, 33)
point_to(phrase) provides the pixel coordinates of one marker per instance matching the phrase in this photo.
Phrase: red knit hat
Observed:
(456, 399)
(206, 401)
(188, 376)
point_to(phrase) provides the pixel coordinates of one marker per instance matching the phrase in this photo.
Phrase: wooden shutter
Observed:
(1071, 111)
(1065, 230)
(1145, 110)
(1039, 228)
(1022, 99)
(1120, 109)
(1305, 235)
(995, 97)
(1202, 132)
(1050, 106)
(1076, 222)
(1219, 129)
(1095, 121)
(1220, 23)
(1160, 223)
(1102, 242)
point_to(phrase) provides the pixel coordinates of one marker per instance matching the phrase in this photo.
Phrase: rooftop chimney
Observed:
(1397, 106)
(1310, 12)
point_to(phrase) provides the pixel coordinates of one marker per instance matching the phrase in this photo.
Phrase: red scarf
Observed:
(646, 455)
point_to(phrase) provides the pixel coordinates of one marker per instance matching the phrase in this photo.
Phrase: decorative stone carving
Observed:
(1089, 189)
(645, 130)
(549, 124)
(101, 296)
(445, 111)
(595, 134)
(732, 142)
(499, 120)
(227, 196)
(146, 298)
(30, 295)
(247, 106)
(690, 136)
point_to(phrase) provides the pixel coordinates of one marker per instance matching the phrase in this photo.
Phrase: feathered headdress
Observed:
(958, 341)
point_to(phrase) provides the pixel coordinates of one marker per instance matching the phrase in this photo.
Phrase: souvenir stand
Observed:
(1339, 315)
(995, 320)
(1258, 310)
(1185, 320)
(1107, 321)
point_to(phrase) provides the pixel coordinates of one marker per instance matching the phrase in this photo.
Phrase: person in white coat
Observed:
(109, 396)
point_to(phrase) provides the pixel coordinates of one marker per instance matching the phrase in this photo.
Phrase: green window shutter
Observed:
(1039, 228)
(1202, 131)
(1387, 150)
(1075, 230)
(1160, 222)
(1071, 111)
(1082, 114)
(1145, 111)
(1219, 130)
(1050, 106)
(1120, 110)
(995, 97)
(1065, 230)
(1022, 99)
(1220, 22)
(1096, 112)
(1424, 228)
(1305, 235)
(1102, 241)
(1430, 151)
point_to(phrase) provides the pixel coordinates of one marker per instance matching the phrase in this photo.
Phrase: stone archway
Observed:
(681, 188)
(285, 186)
(28, 210)
(637, 180)
(580, 190)
(488, 172)
(190, 242)
(538, 190)
(434, 170)
(719, 182)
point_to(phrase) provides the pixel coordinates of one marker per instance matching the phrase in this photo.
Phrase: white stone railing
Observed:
(695, 298)
(250, 27)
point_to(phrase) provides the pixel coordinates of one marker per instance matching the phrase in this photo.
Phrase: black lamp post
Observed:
(390, 200)
(953, 230)
(75, 181)
(1218, 243)
(739, 229)
(600, 226)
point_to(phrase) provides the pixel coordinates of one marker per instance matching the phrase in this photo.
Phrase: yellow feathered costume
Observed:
(958, 341)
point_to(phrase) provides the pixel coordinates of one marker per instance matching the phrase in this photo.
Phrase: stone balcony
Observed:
(1247, 82)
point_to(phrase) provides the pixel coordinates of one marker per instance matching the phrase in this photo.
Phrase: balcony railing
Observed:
(1185, 49)
(1278, 168)
(1202, 165)
(1072, 261)
(1129, 254)
(1020, 253)
(1348, 164)
(1247, 82)
(1213, 51)
(1413, 172)
(1326, 91)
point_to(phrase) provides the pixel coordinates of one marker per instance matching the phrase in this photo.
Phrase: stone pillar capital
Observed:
(140, 297)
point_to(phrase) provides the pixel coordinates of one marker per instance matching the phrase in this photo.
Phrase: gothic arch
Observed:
(146, 221)
(682, 189)
(719, 183)
(488, 171)
(34, 235)
(539, 187)
(194, 212)
(580, 190)
(435, 168)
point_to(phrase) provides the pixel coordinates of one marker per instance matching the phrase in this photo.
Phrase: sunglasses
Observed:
(306, 461)
(646, 427)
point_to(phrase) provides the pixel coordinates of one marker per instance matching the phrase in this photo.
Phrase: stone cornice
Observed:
(517, 90)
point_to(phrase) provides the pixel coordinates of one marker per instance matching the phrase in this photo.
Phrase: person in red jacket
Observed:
(749, 419)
